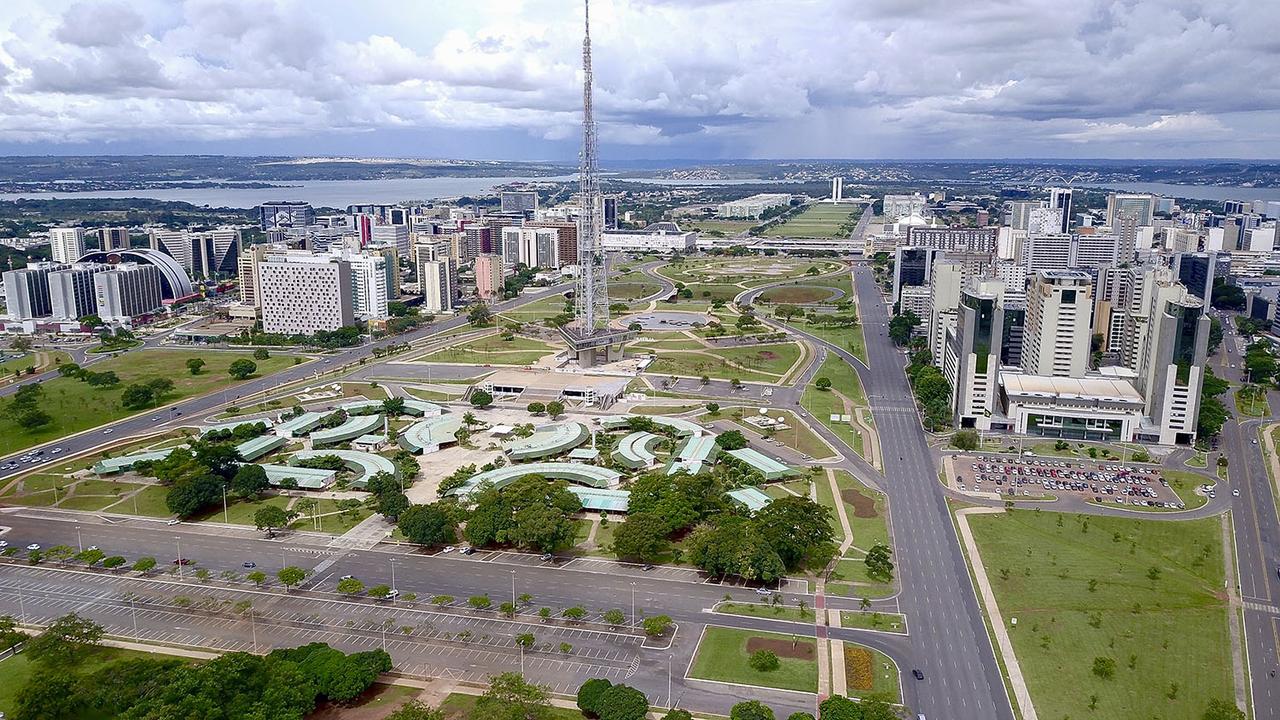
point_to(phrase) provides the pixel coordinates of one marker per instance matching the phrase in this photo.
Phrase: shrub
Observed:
(764, 661)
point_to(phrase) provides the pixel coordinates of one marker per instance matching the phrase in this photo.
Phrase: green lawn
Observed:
(726, 227)
(1163, 631)
(86, 502)
(459, 707)
(846, 338)
(1185, 483)
(536, 310)
(75, 406)
(870, 620)
(775, 359)
(696, 365)
(825, 403)
(330, 523)
(634, 290)
(8, 367)
(796, 294)
(884, 674)
(1252, 408)
(867, 512)
(817, 220)
(493, 350)
(797, 436)
(764, 610)
(722, 655)
(148, 503)
(240, 512)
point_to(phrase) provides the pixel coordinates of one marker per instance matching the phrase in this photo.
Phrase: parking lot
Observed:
(1109, 483)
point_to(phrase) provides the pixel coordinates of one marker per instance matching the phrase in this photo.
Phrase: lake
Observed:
(320, 193)
(1195, 192)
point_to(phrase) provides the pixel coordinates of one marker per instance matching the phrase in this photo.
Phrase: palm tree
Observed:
(469, 419)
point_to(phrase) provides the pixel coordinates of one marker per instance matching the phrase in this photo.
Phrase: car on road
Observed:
(1235, 493)
(107, 431)
(915, 673)
(249, 564)
(545, 557)
(173, 521)
(447, 549)
(763, 591)
(55, 451)
(4, 543)
(182, 561)
(33, 546)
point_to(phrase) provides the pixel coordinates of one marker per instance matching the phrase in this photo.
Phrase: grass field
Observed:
(722, 655)
(817, 220)
(825, 403)
(882, 621)
(846, 338)
(690, 364)
(459, 707)
(148, 502)
(329, 522)
(1148, 595)
(240, 512)
(868, 515)
(797, 436)
(75, 406)
(775, 359)
(870, 672)
(765, 610)
(1252, 408)
(493, 350)
(536, 310)
(630, 291)
(726, 227)
(798, 294)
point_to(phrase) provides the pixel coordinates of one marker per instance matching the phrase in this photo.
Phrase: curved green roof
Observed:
(367, 464)
(250, 450)
(547, 440)
(681, 426)
(428, 435)
(770, 468)
(353, 428)
(636, 450)
(108, 466)
(361, 406)
(588, 475)
(419, 408)
(301, 425)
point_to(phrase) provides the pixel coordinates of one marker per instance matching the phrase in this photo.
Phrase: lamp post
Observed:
(178, 539)
(225, 517)
(633, 604)
(133, 611)
(79, 541)
(513, 588)
(393, 576)
(670, 700)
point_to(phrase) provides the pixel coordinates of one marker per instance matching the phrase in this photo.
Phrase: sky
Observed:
(696, 79)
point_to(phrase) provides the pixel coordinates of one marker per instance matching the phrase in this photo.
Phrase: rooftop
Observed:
(1091, 388)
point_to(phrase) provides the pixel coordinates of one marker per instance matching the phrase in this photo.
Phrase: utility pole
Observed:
(633, 604)
(513, 588)
(79, 541)
(178, 539)
(225, 517)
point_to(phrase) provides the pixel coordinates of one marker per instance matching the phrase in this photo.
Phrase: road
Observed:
(196, 406)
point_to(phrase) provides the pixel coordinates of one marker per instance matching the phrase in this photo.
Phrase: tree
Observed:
(1215, 335)
(822, 383)
(189, 496)
(731, 440)
(290, 576)
(195, 365)
(113, 562)
(63, 641)
(536, 408)
(839, 707)
(101, 379)
(429, 525)
(481, 399)
(391, 504)
(350, 586)
(1104, 667)
(713, 408)
(31, 420)
(480, 315)
(750, 710)
(137, 397)
(53, 697)
(677, 714)
(642, 537)
(614, 617)
(622, 702)
(249, 481)
(144, 564)
(242, 368)
(91, 556)
(160, 387)
(764, 661)
(480, 602)
(541, 514)
(965, 440)
(270, 517)
(797, 528)
(656, 625)
(380, 592)
(69, 369)
(509, 697)
(589, 695)
(261, 354)
(1226, 296)
(901, 327)
(800, 716)
(414, 710)
(1222, 710)
(555, 409)
(879, 566)
(574, 614)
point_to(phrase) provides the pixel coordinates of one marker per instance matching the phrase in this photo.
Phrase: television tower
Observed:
(590, 331)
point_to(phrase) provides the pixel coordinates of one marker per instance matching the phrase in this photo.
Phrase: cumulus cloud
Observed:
(877, 78)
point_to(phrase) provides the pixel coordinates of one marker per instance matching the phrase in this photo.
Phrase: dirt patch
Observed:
(863, 506)
(767, 355)
(801, 650)
(859, 670)
(376, 703)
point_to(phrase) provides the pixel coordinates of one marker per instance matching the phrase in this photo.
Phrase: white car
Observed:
(107, 431)
(4, 543)
(1235, 493)
(763, 591)
(174, 521)
(448, 549)
(33, 546)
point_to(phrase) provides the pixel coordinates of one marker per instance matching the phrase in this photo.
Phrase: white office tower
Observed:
(370, 290)
(1044, 221)
(71, 291)
(303, 293)
(532, 247)
(1061, 251)
(1060, 200)
(1181, 240)
(971, 354)
(248, 265)
(26, 291)
(1259, 239)
(127, 291)
(113, 238)
(751, 208)
(837, 189)
(67, 244)
(1173, 335)
(1056, 338)
(1141, 208)
(437, 286)
(1009, 243)
(518, 201)
(897, 207)
(396, 236)
(201, 254)
(1014, 278)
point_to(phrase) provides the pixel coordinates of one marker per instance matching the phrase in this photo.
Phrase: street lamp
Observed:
(225, 517)
(134, 611)
(79, 542)
(670, 700)
(178, 539)
(513, 588)
(393, 576)
(633, 604)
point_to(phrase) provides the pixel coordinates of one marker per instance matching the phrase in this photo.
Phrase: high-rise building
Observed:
(520, 201)
(971, 354)
(477, 240)
(837, 189)
(285, 214)
(67, 244)
(126, 291)
(489, 277)
(1062, 251)
(896, 207)
(369, 283)
(208, 254)
(1060, 200)
(1044, 221)
(1172, 347)
(396, 236)
(71, 291)
(248, 271)
(1056, 336)
(567, 250)
(531, 246)
(26, 291)
(963, 239)
(1196, 271)
(437, 285)
(303, 293)
(1140, 207)
(113, 238)
(912, 266)
(610, 223)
